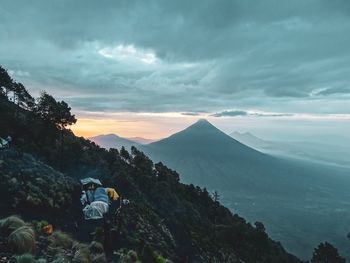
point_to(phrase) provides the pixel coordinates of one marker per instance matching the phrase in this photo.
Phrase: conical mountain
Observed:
(203, 137)
(204, 155)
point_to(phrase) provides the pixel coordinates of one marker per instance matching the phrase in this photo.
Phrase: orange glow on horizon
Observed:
(147, 128)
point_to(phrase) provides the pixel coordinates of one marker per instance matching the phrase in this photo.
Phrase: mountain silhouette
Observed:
(206, 156)
(113, 141)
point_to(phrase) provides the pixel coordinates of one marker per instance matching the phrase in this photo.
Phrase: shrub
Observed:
(25, 258)
(130, 257)
(96, 247)
(82, 255)
(59, 260)
(9, 224)
(60, 239)
(22, 240)
(99, 258)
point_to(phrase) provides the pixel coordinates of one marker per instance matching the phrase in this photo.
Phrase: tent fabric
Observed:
(3, 142)
(100, 194)
(89, 180)
(112, 194)
(87, 197)
(95, 210)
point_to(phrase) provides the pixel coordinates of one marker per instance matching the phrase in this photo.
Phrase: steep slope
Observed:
(297, 200)
(164, 217)
(113, 141)
(31, 188)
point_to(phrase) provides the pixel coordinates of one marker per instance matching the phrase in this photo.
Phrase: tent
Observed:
(3, 143)
(90, 180)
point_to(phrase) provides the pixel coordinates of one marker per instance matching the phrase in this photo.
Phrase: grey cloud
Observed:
(338, 90)
(190, 113)
(236, 113)
(230, 113)
(213, 55)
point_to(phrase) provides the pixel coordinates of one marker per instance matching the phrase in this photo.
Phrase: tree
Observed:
(5, 81)
(57, 113)
(22, 97)
(125, 154)
(216, 196)
(259, 226)
(326, 253)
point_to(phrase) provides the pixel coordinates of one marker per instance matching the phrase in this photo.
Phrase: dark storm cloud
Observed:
(184, 56)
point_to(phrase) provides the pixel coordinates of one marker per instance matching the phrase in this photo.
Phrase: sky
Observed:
(279, 69)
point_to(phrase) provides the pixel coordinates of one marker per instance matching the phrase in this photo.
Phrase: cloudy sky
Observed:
(149, 68)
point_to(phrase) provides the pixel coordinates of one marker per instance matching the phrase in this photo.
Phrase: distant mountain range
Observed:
(301, 203)
(113, 141)
(140, 140)
(326, 151)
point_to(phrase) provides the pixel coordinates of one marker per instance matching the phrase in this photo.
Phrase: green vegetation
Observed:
(26, 258)
(9, 224)
(60, 239)
(326, 253)
(22, 240)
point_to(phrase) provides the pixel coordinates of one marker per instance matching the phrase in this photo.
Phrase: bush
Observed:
(82, 255)
(99, 258)
(130, 257)
(22, 240)
(25, 258)
(60, 239)
(59, 260)
(96, 247)
(9, 224)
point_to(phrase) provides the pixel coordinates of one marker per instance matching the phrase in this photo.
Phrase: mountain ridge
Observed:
(112, 140)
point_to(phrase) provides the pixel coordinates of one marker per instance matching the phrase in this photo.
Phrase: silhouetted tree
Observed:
(22, 97)
(326, 253)
(124, 154)
(259, 226)
(5, 81)
(57, 113)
